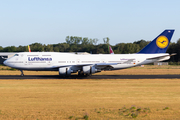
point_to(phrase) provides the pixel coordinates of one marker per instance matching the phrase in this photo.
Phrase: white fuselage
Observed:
(54, 60)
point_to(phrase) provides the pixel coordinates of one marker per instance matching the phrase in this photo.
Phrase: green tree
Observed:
(56, 49)
(48, 48)
(85, 41)
(106, 40)
(141, 43)
(1, 48)
(9, 49)
(68, 40)
(22, 49)
(173, 49)
(63, 47)
(119, 48)
(177, 50)
(37, 47)
(95, 40)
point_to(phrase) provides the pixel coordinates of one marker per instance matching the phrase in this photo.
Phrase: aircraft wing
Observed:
(102, 65)
(80, 65)
(127, 62)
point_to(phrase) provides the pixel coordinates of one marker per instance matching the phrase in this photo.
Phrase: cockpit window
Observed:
(16, 55)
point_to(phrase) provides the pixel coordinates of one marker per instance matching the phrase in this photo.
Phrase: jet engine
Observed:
(65, 71)
(89, 69)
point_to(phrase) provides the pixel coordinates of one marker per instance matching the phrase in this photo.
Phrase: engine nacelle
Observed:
(89, 69)
(65, 71)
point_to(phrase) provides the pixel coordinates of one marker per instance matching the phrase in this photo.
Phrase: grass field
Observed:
(93, 99)
(98, 99)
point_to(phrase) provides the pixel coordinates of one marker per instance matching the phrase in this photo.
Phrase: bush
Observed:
(134, 115)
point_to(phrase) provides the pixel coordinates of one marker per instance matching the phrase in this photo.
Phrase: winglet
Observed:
(159, 44)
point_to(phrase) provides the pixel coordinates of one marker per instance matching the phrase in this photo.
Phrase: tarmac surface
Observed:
(91, 77)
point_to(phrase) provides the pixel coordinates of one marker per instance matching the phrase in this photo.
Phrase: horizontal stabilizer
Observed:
(160, 57)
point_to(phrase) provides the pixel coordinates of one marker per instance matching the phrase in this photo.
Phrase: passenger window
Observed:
(16, 55)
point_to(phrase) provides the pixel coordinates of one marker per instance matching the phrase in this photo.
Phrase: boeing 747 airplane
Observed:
(88, 64)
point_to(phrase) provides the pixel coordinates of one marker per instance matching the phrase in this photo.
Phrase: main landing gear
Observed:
(22, 74)
(80, 73)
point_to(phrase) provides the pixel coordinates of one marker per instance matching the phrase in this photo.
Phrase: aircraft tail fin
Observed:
(159, 44)
(110, 50)
(29, 48)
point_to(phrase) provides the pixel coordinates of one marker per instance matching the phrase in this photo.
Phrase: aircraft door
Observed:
(25, 59)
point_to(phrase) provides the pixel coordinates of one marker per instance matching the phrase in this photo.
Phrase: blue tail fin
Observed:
(159, 44)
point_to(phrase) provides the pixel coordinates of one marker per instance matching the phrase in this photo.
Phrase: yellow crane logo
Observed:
(162, 41)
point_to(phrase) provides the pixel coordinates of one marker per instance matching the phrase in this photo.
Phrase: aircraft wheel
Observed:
(80, 73)
(22, 74)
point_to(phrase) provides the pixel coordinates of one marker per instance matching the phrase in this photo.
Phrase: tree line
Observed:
(79, 44)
